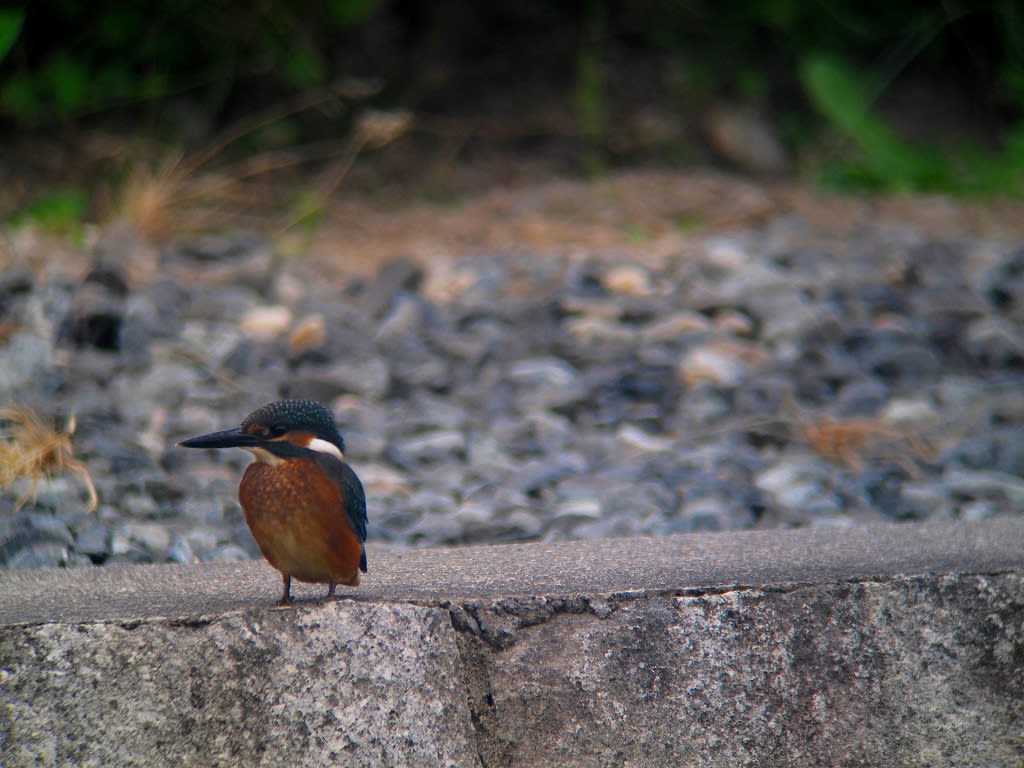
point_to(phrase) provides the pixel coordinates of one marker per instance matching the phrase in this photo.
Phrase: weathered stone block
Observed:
(324, 685)
(877, 646)
(922, 671)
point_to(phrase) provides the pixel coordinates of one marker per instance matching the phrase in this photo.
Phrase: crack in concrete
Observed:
(484, 628)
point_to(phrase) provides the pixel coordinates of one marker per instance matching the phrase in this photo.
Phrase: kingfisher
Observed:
(304, 504)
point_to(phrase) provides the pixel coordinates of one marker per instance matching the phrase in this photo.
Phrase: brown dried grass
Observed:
(185, 195)
(852, 442)
(171, 199)
(29, 448)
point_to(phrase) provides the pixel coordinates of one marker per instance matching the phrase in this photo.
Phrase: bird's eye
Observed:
(277, 430)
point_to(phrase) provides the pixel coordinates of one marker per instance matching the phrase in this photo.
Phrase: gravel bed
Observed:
(762, 379)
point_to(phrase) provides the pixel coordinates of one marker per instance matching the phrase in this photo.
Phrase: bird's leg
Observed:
(330, 590)
(286, 598)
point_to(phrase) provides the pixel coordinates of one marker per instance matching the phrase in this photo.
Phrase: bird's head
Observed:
(286, 429)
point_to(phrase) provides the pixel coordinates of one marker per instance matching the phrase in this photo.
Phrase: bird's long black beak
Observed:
(227, 438)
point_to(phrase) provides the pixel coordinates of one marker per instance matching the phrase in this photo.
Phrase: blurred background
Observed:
(101, 100)
(561, 270)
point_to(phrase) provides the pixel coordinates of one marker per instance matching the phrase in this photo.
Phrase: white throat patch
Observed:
(325, 446)
(262, 454)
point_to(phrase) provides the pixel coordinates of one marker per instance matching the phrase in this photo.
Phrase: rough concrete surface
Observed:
(888, 646)
(907, 672)
(367, 684)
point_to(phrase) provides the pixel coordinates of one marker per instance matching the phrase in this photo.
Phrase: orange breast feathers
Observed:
(298, 516)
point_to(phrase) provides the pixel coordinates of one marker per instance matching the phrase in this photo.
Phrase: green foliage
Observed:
(60, 212)
(351, 12)
(888, 163)
(10, 27)
(590, 96)
(83, 59)
(688, 223)
(304, 67)
(749, 51)
(844, 99)
(637, 234)
(589, 99)
(59, 88)
(63, 61)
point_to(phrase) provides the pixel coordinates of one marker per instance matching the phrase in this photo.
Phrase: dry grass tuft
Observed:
(186, 195)
(851, 442)
(173, 198)
(29, 448)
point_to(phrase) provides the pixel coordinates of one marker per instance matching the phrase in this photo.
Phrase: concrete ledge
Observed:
(883, 646)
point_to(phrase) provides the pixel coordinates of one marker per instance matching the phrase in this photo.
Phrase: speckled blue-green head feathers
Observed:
(285, 416)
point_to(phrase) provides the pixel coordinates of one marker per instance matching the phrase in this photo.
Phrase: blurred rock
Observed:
(265, 323)
(506, 395)
(746, 139)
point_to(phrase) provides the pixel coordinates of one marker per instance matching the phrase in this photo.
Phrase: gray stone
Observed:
(546, 382)
(181, 551)
(138, 505)
(909, 412)
(436, 528)
(39, 554)
(122, 545)
(1009, 447)
(791, 318)
(792, 482)
(978, 510)
(427, 411)
(93, 539)
(534, 476)
(204, 538)
(431, 502)
(417, 367)
(707, 513)
(726, 679)
(885, 646)
(931, 496)
(488, 456)
(996, 341)
(50, 527)
(153, 536)
(610, 526)
(226, 553)
(165, 383)
(745, 138)
(24, 359)
(522, 371)
(203, 510)
(435, 445)
(593, 332)
(989, 484)
(521, 523)
(369, 377)
(393, 279)
(403, 321)
(861, 397)
(579, 508)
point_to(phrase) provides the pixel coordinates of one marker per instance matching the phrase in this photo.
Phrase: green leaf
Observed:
(59, 212)
(351, 12)
(778, 13)
(304, 66)
(843, 98)
(68, 82)
(154, 86)
(113, 83)
(11, 20)
(19, 98)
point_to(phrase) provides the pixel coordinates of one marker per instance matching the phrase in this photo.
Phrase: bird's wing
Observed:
(352, 493)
